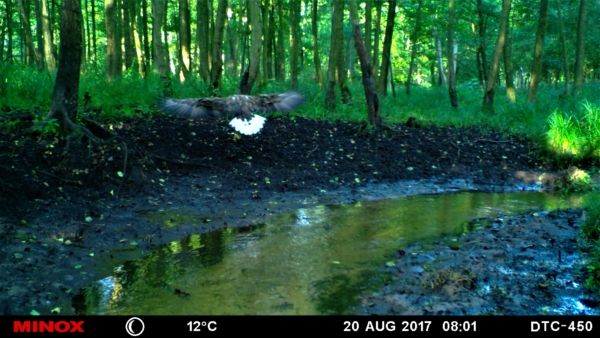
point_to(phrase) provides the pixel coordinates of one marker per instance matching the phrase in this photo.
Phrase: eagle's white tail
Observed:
(248, 127)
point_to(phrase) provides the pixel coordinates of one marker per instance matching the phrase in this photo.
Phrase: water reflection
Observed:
(312, 261)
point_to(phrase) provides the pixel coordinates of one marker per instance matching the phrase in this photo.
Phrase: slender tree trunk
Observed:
(255, 47)
(490, 86)
(439, 60)
(202, 23)
(94, 46)
(536, 71)
(32, 55)
(365, 65)
(280, 64)
(231, 57)
(216, 69)
(375, 58)
(270, 43)
(337, 17)
(315, 38)
(414, 48)
(127, 29)
(112, 45)
(185, 40)
(565, 54)
(48, 44)
(165, 31)
(9, 31)
(137, 27)
(159, 58)
(38, 33)
(387, 46)
(295, 7)
(88, 31)
(368, 26)
(511, 93)
(451, 54)
(580, 51)
(266, 50)
(481, 56)
(144, 24)
(66, 86)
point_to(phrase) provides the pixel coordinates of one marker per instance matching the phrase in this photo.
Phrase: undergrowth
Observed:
(569, 128)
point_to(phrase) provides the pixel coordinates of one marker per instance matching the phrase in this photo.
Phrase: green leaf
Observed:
(120, 173)
(34, 313)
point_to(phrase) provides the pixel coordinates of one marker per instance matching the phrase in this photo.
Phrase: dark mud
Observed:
(61, 208)
(519, 265)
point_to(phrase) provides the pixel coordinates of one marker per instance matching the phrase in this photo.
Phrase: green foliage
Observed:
(47, 127)
(575, 134)
(591, 233)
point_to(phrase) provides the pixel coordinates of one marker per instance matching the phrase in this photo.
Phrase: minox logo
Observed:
(48, 326)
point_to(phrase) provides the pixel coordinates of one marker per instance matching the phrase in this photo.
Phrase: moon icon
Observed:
(129, 326)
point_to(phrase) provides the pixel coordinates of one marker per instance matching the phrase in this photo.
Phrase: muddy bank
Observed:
(519, 265)
(59, 210)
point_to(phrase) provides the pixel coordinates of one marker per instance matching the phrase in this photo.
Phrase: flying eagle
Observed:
(241, 109)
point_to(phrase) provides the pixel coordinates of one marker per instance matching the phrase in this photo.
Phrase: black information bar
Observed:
(339, 326)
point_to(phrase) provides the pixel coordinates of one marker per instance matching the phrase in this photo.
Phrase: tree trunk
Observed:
(266, 29)
(439, 60)
(94, 46)
(159, 58)
(32, 55)
(144, 29)
(280, 64)
(137, 26)
(9, 31)
(565, 54)
(165, 31)
(47, 31)
(295, 8)
(315, 38)
(113, 47)
(337, 38)
(255, 47)
(451, 54)
(38, 33)
(270, 44)
(490, 86)
(202, 23)
(536, 71)
(413, 39)
(365, 65)
(216, 69)
(580, 51)
(481, 56)
(368, 26)
(231, 56)
(127, 28)
(185, 39)
(375, 57)
(88, 31)
(511, 93)
(66, 86)
(387, 46)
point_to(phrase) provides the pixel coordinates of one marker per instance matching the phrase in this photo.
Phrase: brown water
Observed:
(312, 261)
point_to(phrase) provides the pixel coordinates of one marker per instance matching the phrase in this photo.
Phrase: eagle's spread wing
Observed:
(240, 108)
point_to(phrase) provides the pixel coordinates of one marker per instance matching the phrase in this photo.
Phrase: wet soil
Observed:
(63, 203)
(528, 264)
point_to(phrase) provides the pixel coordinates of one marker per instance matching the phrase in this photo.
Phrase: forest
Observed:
(501, 94)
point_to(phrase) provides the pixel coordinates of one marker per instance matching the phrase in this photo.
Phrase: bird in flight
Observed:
(241, 109)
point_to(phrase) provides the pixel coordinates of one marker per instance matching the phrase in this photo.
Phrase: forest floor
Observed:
(61, 206)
